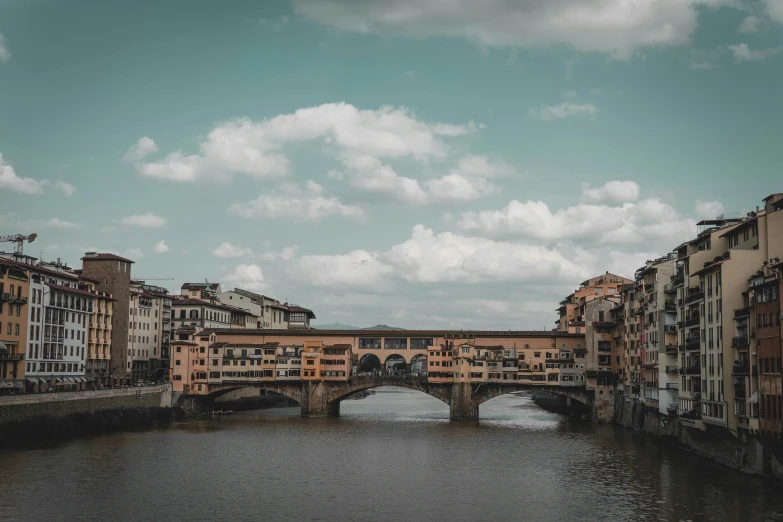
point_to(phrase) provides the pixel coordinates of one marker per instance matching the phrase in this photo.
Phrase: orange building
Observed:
(14, 292)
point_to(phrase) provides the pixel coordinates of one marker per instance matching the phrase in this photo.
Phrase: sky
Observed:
(417, 163)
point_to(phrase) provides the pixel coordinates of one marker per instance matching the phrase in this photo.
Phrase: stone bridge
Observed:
(323, 398)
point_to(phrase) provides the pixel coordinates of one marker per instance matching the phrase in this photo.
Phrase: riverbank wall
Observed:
(744, 452)
(62, 404)
(53, 417)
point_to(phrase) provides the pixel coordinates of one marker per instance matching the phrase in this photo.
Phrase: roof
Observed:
(187, 343)
(749, 221)
(200, 302)
(712, 266)
(105, 256)
(299, 309)
(197, 286)
(71, 290)
(90, 279)
(247, 293)
(36, 268)
(313, 332)
(773, 195)
(218, 345)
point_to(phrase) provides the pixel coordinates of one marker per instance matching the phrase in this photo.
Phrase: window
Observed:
(369, 343)
(395, 343)
(420, 344)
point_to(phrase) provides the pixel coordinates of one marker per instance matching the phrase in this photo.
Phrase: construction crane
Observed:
(19, 239)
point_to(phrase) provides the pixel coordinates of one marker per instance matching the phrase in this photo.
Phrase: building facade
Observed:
(14, 302)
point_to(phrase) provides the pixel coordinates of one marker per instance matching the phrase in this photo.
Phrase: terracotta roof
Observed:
(199, 302)
(218, 345)
(105, 256)
(199, 286)
(71, 290)
(34, 268)
(313, 332)
(186, 343)
(302, 310)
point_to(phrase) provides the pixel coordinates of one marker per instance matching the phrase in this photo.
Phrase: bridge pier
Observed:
(315, 401)
(463, 406)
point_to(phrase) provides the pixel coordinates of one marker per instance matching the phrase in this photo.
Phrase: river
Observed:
(393, 456)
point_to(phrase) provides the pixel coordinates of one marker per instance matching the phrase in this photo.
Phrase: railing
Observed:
(671, 369)
(671, 348)
(669, 306)
(669, 288)
(691, 344)
(672, 386)
(740, 342)
(694, 369)
(692, 320)
(741, 312)
(4, 356)
(694, 297)
(740, 408)
(17, 299)
(678, 279)
(739, 392)
(740, 369)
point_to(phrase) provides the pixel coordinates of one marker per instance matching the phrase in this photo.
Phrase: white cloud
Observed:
(161, 247)
(701, 66)
(743, 53)
(66, 188)
(616, 27)
(227, 250)
(357, 268)
(775, 10)
(307, 204)
(564, 110)
(242, 146)
(447, 257)
(709, 209)
(749, 25)
(148, 220)
(134, 253)
(10, 181)
(140, 150)
(58, 223)
(625, 264)
(5, 55)
(482, 166)
(286, 254)
(647, 220)
(370, 175)
(612, 192)
(249, 277)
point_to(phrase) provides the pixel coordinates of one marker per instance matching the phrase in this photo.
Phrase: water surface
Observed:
(393, 456)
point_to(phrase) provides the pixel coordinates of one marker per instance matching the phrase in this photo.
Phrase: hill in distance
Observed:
(341, 326)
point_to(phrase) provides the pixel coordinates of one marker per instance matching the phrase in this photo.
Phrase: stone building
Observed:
(98, 334)
(114, 274)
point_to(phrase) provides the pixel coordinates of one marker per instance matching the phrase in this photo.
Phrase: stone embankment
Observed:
(744, 452)
(52, 417)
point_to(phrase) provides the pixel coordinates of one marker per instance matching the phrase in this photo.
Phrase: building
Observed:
(14, 292)
(571, 309)
(298, 317)
(200, 313)
(99, 327)
(159, 362)
(211, 357)
(144, 333)
(114, 274)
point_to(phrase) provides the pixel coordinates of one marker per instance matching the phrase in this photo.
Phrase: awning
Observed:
(43, 381)
(59, 380)
(70, 379)
(6, 384)
(3, 346)
(78, 379)
(19, 384)
(31, 380)
(754, 399)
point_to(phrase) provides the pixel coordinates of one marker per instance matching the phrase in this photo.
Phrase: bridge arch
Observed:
(395, 362)
(441, 393)
(369, 362)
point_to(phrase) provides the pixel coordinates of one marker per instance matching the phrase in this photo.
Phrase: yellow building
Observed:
(14, 294)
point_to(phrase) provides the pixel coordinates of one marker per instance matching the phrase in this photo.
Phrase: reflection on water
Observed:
(392, 456)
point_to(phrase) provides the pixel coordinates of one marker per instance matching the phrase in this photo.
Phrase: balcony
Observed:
(740, 369)
(671, 348)
(740, 408)
(649, 365)
(739, 392)
(18, 299)
(692, 344)
(648, 287)
(669, 306)
(742, 312)
(670, 328)
(694, 369)
(692, 320)
(6, 356)
(678, 279)
(740, 342)
(672, 386)
(669, 289)
(694, 297)
(671, 369)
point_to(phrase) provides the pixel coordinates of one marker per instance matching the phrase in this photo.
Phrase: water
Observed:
(392, 456)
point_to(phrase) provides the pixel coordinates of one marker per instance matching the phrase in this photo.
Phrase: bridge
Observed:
(322, 398)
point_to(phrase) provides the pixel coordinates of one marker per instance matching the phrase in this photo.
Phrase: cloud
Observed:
(446, 257)
(625, 264)
(564, 110)
(134, 253)
(749, 25)
(286, 254)
(370, 175)
(614, 27)
(227, 251)
(140, 150)
(611, 221)
(743, 53)
(10, 181)
(775, 10)
(708, 209)
(148, 220)
(5, 55)
(161, 247)
(242, 146)
(612, 192)
(66, 188)
(58, 223)
(357, 268)
(291, 201)
(483, 166)
(249, 277)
